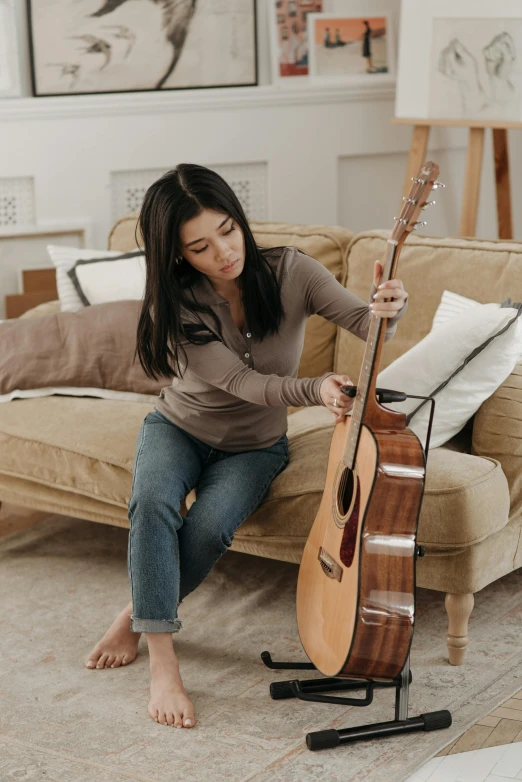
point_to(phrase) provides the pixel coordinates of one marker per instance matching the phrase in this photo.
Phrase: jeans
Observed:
(169, 555)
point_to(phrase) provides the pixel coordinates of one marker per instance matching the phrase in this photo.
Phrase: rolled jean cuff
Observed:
(155, 625)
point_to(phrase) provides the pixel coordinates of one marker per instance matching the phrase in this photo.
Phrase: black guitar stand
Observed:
(308, 689)
(311, 689)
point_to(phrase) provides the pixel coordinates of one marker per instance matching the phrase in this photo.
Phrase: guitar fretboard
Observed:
(368, 367)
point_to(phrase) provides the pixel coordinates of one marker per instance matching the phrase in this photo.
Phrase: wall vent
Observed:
(16, 202)
(248, 180)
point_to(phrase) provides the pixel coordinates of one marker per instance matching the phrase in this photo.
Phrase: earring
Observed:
(179, 259)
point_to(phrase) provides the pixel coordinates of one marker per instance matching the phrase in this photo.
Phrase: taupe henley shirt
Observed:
(234, 394)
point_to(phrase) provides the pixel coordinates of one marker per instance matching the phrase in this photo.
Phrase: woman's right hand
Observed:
(330, 389)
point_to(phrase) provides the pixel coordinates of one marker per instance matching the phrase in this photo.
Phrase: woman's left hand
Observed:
(393, 290)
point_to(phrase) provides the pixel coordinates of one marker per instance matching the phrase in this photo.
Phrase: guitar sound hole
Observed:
(345, 491)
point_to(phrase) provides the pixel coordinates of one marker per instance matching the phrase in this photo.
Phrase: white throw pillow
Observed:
(66, 258)
(462, 361)
(451, 304)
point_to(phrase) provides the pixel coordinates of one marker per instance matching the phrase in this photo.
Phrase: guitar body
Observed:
(356, 586)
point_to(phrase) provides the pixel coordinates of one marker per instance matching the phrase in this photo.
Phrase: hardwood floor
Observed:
(502, 726)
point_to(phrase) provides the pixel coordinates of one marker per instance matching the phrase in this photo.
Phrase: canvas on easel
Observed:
(461, 64)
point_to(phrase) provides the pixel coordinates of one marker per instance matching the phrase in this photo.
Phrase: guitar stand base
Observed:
(309, 689)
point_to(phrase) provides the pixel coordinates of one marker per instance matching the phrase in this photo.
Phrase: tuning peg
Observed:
(438, 184)
(419, 223)
(429, 203)
(409, 200)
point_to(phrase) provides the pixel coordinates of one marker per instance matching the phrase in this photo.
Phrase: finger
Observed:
(460, 48)
(383, 304)
(381, 312)
(395, 294)
(377, 273)
(387, 293)
(390, 284)
(390, 304)
(397, 302)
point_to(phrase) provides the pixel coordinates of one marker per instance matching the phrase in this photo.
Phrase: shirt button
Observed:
(249, 334)
(247, 355)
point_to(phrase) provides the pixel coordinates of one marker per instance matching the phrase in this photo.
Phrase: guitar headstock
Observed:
(416, 201)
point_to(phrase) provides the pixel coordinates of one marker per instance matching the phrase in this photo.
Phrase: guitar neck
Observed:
(370, 364)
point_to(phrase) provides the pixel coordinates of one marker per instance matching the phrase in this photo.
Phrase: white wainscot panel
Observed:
(248, 181)
(370, 192)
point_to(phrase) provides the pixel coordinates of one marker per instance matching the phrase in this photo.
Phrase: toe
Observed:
(102, 660)
(117, 662)
(109, 661)
(178, 721)
(162, 719)
(90, 662)
(188, 718)
(170, 719)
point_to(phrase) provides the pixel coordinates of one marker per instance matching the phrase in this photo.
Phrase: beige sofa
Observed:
(74, 456)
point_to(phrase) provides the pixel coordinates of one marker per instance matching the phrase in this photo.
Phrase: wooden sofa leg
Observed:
(459, 608)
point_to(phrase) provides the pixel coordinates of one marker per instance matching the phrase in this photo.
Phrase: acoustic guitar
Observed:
(356, 584)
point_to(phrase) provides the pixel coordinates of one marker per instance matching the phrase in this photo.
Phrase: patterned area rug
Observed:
(63, 581)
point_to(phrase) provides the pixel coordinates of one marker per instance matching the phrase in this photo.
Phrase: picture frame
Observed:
(288, 44)
(465, 66)
(10, 82)
(80, 47)
(349, 48)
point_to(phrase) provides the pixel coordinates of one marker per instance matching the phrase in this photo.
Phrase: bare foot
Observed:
(119, 645)
(169, 703)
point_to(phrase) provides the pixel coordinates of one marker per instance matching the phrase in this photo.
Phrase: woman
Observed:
(225, 318)
(366, 50)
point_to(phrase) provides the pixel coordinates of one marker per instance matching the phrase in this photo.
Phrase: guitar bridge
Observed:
(330, 567)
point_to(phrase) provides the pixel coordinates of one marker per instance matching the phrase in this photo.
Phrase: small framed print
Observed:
(289, 37)
(351, 48)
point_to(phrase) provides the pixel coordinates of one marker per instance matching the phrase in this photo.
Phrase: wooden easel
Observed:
(468, 218)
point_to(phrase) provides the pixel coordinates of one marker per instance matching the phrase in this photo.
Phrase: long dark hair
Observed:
(178, 196)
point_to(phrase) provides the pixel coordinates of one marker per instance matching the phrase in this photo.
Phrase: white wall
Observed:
(332, 155)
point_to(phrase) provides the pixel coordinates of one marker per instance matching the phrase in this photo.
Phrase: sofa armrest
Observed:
(497, 432)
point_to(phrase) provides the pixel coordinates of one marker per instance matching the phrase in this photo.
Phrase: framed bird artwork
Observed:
(99, 46)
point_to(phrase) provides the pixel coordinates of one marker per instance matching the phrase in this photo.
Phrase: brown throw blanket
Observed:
(90, 348)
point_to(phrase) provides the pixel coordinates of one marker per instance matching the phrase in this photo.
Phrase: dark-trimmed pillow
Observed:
(117, 278)
(461, 362)
(64, 259)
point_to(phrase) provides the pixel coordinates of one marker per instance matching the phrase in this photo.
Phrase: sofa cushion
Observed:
(69, 454)
(466, 497)
(76, 444)
(487, 271)
(327, 244)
